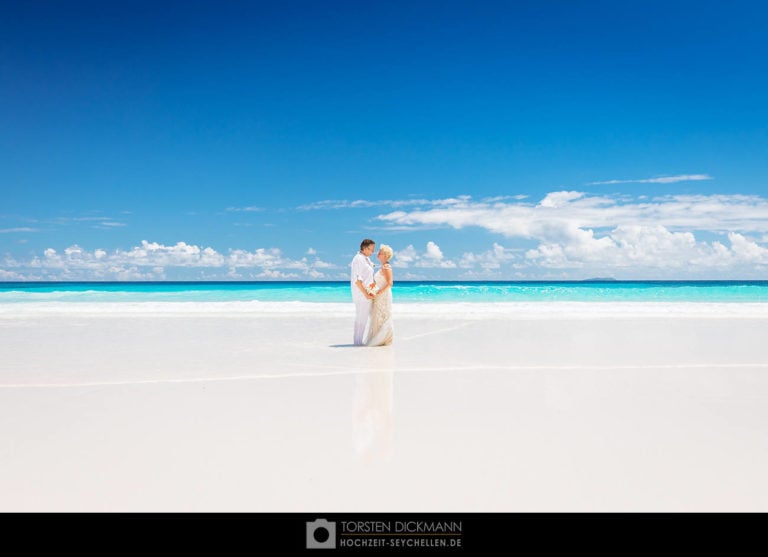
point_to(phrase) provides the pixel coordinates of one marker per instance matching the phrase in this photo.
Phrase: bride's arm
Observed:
(387, 272)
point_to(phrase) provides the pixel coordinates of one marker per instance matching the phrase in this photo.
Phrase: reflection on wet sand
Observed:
(373, 407)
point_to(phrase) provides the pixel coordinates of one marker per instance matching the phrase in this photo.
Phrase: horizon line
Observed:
(592, 280)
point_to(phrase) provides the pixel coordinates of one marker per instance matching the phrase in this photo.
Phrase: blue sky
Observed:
(499, 140)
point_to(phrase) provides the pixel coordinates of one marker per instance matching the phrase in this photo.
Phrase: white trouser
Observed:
(362, 313)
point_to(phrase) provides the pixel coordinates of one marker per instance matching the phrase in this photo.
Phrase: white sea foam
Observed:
(448, 310)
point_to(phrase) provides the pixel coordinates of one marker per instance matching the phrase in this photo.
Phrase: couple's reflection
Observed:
(373, 406)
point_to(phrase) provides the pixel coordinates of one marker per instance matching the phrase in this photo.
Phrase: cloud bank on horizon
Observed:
(567, 234)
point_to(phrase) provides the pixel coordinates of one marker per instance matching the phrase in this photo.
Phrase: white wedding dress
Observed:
(382, 329)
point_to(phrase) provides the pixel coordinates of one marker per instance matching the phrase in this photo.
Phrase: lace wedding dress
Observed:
(382, 329)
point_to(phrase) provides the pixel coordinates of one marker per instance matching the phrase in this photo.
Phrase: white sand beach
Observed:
(495, 407)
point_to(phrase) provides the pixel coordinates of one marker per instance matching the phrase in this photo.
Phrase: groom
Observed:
(362, 278)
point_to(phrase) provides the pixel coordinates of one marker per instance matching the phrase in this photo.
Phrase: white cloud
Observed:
(259, 258)
(10, 275)
(101, 223)
(360, 204)
(560, 198)
(317, 264)
(412, 276)
(432, 257)
(251, 209)
(559, 211)
(180, 255)
(625, 246)
(493, 259)
(660, 180)
(21, 229)
(565, 234)
(651, 249)
(151, 260)
(276, 275)
(405, 257)
(433, 252)
(577, 231)
(747, 250)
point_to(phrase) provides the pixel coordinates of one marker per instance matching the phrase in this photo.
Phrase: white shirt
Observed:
(362, 269)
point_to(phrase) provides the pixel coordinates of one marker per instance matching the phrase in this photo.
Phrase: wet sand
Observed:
(276, 411)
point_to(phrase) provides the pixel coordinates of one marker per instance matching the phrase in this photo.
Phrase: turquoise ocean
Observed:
(418, 292)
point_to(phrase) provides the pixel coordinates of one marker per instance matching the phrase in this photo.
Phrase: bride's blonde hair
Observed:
(386, 250)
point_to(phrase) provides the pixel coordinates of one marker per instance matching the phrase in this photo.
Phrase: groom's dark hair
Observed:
(365, 243)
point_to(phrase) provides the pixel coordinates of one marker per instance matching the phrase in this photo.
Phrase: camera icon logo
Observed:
(321, 534)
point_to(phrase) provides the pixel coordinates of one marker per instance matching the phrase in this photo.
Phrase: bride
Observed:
(382, 330)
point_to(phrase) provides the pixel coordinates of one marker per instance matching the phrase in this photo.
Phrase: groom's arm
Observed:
(357, 274)
(359, 284)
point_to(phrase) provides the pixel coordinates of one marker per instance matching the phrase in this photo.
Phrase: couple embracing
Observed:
(372, 294)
